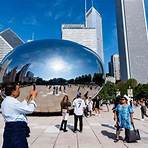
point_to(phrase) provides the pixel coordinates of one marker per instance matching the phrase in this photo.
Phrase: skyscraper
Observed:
(94, 20)
(114, 67)
(8, 41)
(80, 34)
(88, 34)
(132, 39)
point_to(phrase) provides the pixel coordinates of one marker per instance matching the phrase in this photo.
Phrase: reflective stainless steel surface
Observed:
(58, 67)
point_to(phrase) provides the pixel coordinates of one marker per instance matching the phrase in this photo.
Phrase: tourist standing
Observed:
(97, 105)
(143, 109)
(79, 106)
(14, 114)
(90, 106)
(65, 104)
(123, 115)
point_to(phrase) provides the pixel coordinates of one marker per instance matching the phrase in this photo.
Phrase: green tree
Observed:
(108, 91)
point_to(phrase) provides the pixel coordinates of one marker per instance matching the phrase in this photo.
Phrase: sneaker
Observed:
(142, 119)
(74, 131)
(65, 130)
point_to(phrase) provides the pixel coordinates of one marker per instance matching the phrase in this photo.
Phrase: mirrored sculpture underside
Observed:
(57, 67)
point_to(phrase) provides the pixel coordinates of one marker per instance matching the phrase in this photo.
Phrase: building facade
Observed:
(114, 67)
(94, 20)
(88, 34)
(132, 39)
(80, 34)
(8, 41)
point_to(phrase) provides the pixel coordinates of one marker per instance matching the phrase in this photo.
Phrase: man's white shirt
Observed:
(14, 110)
(79, 106)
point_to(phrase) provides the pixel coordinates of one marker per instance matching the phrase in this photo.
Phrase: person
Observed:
(107, 103)
(97, 105)
(65, 104)
(90, 105)
(79, 106)
(86, 108)
(143, 109)
(14, 113)
(123, 115)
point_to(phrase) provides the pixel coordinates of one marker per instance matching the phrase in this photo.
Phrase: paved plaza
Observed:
(98, 132)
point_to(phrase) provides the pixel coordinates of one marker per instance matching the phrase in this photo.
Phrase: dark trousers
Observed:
(63, 123)
(143, 114)
(126, 133)
(15, 134)
(76, 118)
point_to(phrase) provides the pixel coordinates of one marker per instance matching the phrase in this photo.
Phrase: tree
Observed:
(108, 91)
(124, 85)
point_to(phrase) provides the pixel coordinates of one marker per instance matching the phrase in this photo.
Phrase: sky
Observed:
(43, 18)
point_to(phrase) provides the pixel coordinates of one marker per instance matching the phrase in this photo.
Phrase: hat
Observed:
(126, 97)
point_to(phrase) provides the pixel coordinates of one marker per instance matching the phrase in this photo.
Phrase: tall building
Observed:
(114, 67)
(88, 34)
(8, 41)
(132, 39)
(80, 34)
(94, 20)
(110, 68)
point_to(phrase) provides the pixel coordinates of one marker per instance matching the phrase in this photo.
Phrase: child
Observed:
(123, 115)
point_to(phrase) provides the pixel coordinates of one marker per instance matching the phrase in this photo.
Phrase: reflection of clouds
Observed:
(58, 64)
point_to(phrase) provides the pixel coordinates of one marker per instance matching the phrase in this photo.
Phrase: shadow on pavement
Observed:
(109, 134)
(107, 125)
(69, 126)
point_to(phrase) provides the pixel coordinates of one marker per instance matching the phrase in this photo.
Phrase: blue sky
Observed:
(44, 19)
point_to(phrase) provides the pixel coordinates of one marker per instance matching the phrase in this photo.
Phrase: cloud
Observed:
(32, 20)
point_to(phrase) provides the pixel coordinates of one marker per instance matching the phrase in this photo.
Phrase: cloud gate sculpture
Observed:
(57, 67)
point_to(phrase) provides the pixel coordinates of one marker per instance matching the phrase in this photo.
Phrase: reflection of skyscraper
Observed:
(8, 41)
(3, 69)
(29, 77)
(20, 77)
(89, 35)
(132, 39)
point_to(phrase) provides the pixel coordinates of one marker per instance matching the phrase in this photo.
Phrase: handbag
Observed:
(133, 135)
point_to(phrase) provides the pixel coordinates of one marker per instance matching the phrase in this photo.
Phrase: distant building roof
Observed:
(11, 37)
(92, 9)
(75, 26)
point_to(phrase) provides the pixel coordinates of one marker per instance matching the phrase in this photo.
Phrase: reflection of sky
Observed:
(55, 59)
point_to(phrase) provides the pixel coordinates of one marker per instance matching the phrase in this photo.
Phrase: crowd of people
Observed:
(123, 110)
(14, 113)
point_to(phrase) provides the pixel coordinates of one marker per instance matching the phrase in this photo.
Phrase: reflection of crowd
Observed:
(58, 89)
